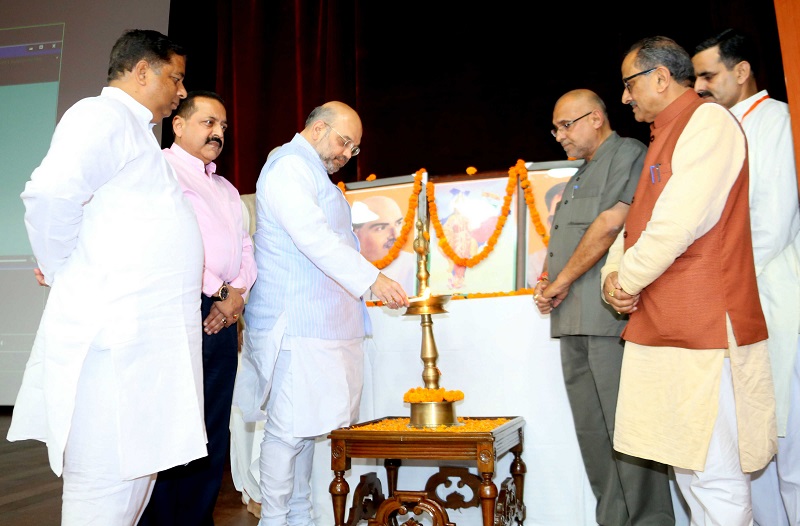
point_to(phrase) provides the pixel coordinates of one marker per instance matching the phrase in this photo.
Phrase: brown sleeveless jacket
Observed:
(685, 306)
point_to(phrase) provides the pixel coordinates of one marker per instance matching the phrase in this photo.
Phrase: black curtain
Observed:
(439, 85)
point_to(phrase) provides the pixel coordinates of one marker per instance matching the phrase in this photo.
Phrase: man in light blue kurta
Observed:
(302, 358)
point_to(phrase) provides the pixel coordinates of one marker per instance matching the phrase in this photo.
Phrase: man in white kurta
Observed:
(113, 384)
(302, 357)
(724, 66)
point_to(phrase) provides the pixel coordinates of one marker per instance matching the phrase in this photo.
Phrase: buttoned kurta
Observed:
(775, 223)
(308, 295)
(668, 396)
(120, 247)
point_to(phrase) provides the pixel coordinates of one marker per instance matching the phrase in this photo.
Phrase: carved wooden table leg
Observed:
(367, 497)
(488, 498)
(518, 471)
(392, 465)
(339, 489)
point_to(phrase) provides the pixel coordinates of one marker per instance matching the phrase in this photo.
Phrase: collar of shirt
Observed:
(741, 107)
(138, 109)
(196, 163)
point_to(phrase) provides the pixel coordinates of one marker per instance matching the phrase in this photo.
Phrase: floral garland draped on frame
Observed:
(518, 172)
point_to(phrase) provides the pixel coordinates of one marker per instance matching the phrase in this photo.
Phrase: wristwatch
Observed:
(222, 293)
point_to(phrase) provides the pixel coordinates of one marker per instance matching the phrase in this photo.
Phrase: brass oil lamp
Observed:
(428, 414)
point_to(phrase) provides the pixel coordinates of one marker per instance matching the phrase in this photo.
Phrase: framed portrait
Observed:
(548, 181)
(468, 211)
(380, 211)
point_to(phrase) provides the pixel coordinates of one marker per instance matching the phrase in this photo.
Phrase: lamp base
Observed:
(433, 414)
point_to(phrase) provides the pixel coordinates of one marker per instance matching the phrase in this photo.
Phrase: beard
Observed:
(333, 163)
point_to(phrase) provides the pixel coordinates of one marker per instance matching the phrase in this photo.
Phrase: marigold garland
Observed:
(408, 223)
(408, 220)
(518, 172)
(524, 182)
(433, 213)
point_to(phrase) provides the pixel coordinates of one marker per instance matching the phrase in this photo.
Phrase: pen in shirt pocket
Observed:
(573, 190)
(655, 171)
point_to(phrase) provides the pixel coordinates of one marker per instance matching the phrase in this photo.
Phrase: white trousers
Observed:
(285, 461)
(776, 488)
(720, 494)
(94, 492)
(246, 440)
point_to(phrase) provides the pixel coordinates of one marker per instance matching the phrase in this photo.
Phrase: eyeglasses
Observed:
(348, 143)
(566, 126)
(626, 80)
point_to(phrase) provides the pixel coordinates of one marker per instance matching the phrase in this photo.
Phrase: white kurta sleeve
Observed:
(774, 218)
(86, 151)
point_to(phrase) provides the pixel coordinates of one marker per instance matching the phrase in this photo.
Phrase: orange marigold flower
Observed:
(466, 425)
(424, 394)
(371, 177)
(471, 170)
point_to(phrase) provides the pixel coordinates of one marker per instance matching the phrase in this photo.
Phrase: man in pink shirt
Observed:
(187, 494)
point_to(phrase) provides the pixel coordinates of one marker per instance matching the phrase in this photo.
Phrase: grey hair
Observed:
(321, 113)
(657, 51)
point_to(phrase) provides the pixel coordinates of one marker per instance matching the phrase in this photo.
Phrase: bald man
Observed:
(306, 320)
(377, 236)
(590, 214)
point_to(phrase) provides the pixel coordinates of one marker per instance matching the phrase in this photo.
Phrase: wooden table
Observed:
(482, 447)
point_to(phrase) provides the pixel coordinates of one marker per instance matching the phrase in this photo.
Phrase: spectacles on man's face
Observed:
(626, 80)
(566, 126)
(348, 143)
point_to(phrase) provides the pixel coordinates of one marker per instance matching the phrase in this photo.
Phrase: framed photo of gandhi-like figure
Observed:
(467, 212)
(385, 227)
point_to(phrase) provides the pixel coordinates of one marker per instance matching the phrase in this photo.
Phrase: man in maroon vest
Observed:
(696, 388)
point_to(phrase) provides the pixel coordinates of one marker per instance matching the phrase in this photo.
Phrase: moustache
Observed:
(216, 139)
(704, 93)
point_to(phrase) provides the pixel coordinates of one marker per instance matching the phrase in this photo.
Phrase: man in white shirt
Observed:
(725, 69)
(306, 321)
(113, 384)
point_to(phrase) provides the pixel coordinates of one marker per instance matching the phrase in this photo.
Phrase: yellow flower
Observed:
(466, 425)
(471, 170)
(424, 394)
